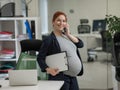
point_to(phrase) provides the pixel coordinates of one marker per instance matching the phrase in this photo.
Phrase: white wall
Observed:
(114, 7)
(90, 9)
(33, 8)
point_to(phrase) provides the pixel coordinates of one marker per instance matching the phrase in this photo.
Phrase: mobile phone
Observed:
(64, 30)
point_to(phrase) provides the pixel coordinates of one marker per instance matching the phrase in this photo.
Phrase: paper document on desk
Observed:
(58, 60)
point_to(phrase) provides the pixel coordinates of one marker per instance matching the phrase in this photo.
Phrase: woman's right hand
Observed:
(52, 71)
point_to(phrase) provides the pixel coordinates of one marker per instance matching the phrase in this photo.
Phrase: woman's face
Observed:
(59, 23)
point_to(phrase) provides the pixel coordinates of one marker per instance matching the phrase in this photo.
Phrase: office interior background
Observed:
(99, 74)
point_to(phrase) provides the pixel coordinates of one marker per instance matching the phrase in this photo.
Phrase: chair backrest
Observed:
(84, 27)
(116, 55)
(116, 49)
(28, 60)
(30, 45)
(106, 41)
(27, 46)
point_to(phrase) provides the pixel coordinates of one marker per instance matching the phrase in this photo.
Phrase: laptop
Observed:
(22, 77)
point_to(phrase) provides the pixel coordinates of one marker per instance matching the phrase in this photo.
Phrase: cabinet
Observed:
(11, 30)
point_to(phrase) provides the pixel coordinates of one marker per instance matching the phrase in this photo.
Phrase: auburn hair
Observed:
(58, 13)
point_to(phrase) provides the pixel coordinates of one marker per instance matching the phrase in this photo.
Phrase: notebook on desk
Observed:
(22, 77)
(58, 60)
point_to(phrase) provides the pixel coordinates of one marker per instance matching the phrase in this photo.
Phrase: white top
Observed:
(42, 85)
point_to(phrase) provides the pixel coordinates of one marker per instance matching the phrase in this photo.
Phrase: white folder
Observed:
(58, 60)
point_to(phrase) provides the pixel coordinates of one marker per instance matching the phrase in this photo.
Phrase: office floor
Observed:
(97, 76)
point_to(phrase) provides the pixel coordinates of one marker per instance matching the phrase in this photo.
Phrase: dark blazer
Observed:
(51, 46)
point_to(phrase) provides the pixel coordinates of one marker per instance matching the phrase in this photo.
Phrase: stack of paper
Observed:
(7, 53)
(5, 35)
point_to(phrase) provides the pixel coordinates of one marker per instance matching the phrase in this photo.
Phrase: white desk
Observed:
(90, 41)
(42, 85)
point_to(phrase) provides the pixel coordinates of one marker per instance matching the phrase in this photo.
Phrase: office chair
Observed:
(106, 41)
(27, 58)
(116, 55)
(30, 45)
(84, 27)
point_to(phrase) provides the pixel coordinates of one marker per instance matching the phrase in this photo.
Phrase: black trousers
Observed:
(70, 83)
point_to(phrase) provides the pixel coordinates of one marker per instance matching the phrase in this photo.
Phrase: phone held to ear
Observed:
(64, 30)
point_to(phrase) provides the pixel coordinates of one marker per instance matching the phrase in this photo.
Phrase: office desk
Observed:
(90, 41)
(42, 85)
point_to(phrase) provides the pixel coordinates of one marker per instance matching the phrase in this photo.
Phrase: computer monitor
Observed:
(99, 25)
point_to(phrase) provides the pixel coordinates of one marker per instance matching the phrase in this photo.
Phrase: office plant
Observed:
(113, 24)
